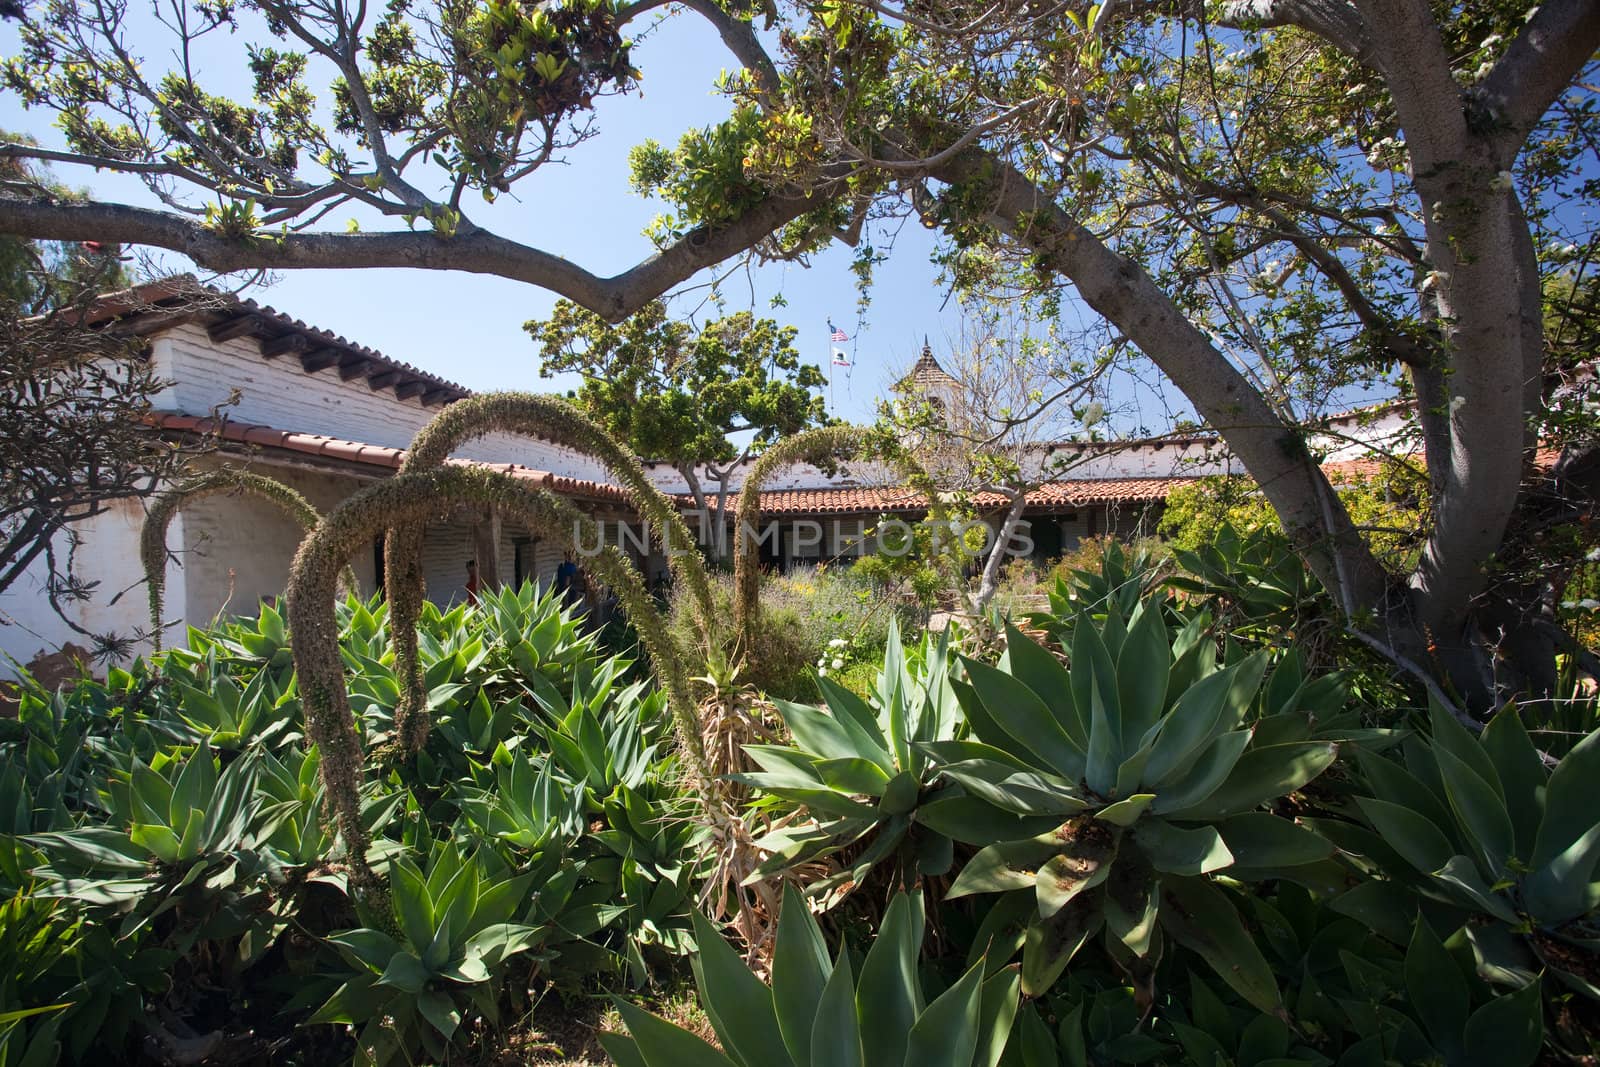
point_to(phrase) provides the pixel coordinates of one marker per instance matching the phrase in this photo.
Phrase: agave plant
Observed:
(819, 1013)
(857, 767)
(455, 932)
(1483, 824)
(1151, 786)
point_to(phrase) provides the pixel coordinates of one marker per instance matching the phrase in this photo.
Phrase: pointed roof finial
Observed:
(926, 371)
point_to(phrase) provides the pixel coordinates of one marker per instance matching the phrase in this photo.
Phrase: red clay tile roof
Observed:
(312, 444)
(168, 302)
(875, 500)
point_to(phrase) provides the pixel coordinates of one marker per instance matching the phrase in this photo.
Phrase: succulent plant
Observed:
(819, 1013)
(1142, 756)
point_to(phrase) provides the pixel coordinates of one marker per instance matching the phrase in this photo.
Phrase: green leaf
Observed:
(853, 775)
(1004, 865)
(1570, 801)
(1480, 808)
(996, 1015)
(1508, 1031)
(406, 973)
(1051, 943)
(1125, 812)
(888, 992)
(836, 1031)
(1437, 990)
(1020, 713)
(441, 1011)
(946, 1035)
(1202, 918)
(1143, 667)
(1021, 792)
(664, 1045)
(1416, 838)
(1260, 775)
(1050, 681)
(1212, 706)
(1522, 776)
(977, 822)
(738, 1003)
(1094, 688)
(1563, 889)
(411, 904)
(1084, 861)
(1215, 763)
(800, 970)
(1262, 839)
(1175, 850)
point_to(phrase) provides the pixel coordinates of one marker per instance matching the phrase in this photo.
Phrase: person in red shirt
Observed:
(472, 581)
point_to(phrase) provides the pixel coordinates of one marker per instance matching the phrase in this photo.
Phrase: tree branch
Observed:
(479, 252)
(1555, 45)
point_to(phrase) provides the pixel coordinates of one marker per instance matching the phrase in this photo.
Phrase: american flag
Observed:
(838, 336)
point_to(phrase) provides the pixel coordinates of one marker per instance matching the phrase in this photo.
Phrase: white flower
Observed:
(1501, 182)
(837, 642)
(1589, 603)
(1593, 556)
(838, 664)
(822, 672)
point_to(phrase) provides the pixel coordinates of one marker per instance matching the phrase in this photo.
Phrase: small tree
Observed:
(1005, 418)
(73, 401)
(680, 396)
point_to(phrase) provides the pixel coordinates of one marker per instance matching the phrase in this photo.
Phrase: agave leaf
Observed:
(888, 992)
(800, 970)
(1025, 793)
(1461, 874)
(1261, 839)
(1132, 906)
(853, 775)
(1213, 705)
(1260, 775)
(1020, 713)
(1086, 858)
(738, 1003)
(1396, 785)
(1004, 865)
(836, 1031)
(1051, 943)
(816, 731)
(1143, 667)
(1177, 850)
(663, 1045)
(1050, 681)
(1215, 763)
(1563, 888)
(858, 718)
(996, 1014)
(946, 1035)
(1508, 1031)
(976, 822)
(1522, 776)
(1094, 688)
(1437, 990)
(1200, 916)
(1413, 836)
(1126, 812)
(1570, 801)
(1480, 807)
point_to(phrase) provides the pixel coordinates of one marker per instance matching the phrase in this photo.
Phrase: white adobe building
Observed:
(326, 416)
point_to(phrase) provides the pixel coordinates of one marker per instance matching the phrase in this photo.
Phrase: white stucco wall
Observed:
(280, 394)
(108, 554)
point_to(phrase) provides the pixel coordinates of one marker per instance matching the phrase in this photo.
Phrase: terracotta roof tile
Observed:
(367, 455)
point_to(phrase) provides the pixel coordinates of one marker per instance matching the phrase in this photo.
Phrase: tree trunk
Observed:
(989, 583)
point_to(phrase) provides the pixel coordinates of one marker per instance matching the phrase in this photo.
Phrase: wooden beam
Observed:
(486, 548)
(297, 343)
(238, 326)
(436, 395)
(382, 380)
(353, 368)
(320, 359)
(409, 389)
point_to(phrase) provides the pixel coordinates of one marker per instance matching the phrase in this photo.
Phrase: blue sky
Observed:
(468, 328)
